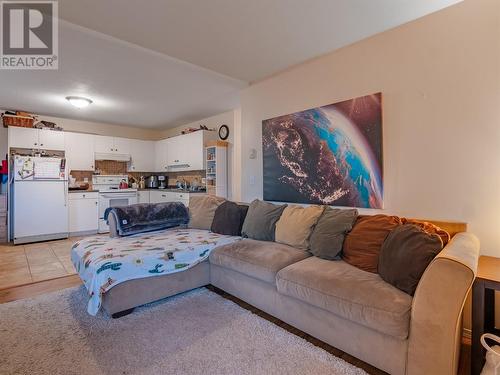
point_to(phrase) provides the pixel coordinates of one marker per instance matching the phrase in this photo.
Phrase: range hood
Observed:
(112, 156)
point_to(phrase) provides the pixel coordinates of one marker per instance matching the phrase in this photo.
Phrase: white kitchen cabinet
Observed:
(161, 152)
(44, 139)
(83, 213)
(143, 196)
(187, 152)
(79, 151)
(51, 139)
(104, 144)
(122, 145)
(111, 145)
(23, 137)
(142, 156)
(159, 196)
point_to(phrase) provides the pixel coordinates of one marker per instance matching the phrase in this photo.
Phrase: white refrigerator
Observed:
(39, 199)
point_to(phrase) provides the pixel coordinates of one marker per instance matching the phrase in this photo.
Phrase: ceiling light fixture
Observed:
(79, 101)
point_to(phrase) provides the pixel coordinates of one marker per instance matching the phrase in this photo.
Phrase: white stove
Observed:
(110, 195)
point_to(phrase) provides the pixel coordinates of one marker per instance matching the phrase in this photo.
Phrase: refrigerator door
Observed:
(40, 211)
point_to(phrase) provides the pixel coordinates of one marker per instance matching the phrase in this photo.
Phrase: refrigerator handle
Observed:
(65, 193)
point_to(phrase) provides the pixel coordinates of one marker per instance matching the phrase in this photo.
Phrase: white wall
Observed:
(440, 79)
(233, 120)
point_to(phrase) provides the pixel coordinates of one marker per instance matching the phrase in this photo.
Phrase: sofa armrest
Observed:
(436, 315)
(113, 227)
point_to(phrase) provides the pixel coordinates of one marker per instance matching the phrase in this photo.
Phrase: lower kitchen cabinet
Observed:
(83, 213)
(159, 196)
(143, 196)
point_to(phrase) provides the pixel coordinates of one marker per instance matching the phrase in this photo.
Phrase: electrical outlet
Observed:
(251, 180)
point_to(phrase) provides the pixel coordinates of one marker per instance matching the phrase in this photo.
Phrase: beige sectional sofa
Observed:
(350, 309)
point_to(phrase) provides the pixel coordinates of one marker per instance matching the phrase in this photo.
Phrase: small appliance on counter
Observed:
(162, 182)
(152, 182)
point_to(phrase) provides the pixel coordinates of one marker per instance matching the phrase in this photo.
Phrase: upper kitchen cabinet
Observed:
(142, 156)
(51, 139)
(44, 139)
(187, 152)
(111, 148)
(161, 157)
(79, 151)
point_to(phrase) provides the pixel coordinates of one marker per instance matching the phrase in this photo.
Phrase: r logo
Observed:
(29, 34)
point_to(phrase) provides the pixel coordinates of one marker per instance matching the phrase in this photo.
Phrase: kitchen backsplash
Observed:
(111, 167)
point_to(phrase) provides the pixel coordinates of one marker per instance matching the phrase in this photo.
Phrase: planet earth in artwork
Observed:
(329, 155)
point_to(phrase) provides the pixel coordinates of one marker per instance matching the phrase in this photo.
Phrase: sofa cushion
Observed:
(430, 228)
(258, 259)
(202, 210)
(296, 225)
(328, 236)
(405, 254)
(362, 245)
(348, 292)
(261, 219)
(227, 219)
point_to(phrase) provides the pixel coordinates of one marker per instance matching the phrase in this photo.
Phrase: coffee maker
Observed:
(152, 182)
(162, 182)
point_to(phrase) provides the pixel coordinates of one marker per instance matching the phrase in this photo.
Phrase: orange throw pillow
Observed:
(362, 245)
(430, 229)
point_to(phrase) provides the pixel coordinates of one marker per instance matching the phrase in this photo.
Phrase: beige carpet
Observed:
(198, 332)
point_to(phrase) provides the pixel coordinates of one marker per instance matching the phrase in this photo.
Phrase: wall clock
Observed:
(223, 132)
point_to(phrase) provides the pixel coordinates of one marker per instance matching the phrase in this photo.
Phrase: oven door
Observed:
(113, 200)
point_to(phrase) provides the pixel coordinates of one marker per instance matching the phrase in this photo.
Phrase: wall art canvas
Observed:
(328, 155)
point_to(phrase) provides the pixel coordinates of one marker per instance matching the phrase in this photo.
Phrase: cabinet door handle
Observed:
(41, 144)
(36, 143)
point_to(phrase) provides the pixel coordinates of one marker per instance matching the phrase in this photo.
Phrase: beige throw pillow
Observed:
(202, 210)
(296, 225)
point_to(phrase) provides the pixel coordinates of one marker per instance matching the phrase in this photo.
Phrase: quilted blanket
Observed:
(104, 262)
(146, 217)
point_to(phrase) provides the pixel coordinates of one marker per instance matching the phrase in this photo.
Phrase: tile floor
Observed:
(24, 264)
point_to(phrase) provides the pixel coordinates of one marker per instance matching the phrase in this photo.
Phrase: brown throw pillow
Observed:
(362, 245)
(296, 224)
(430, 228)
(229, 218)
(405, 254)
(328, 236)
(202, 210)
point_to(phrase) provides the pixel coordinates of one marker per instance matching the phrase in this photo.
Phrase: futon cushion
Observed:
(258, 259)
(296, 224)
(348, 292)
(328, 236)
(362, 245)
(261, 219)
(227, 219)
(405, 254)
(202, 210)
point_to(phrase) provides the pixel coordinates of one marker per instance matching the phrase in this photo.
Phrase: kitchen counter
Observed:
(84, 191)
(173, 190)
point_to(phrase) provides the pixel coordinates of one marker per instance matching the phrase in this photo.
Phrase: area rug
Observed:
(198, 332)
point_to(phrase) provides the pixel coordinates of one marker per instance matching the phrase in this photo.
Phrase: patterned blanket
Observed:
(104, 262)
